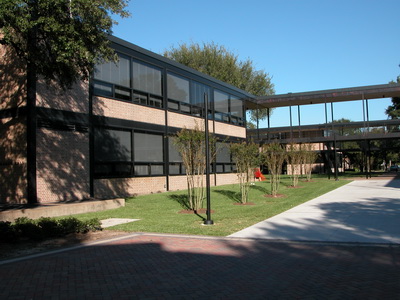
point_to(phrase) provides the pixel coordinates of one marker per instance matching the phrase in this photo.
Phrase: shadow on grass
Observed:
(260, 188)
(235, 196)
(183, 202)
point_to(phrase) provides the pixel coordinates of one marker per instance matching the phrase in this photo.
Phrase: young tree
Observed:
(246, 158)
(218, 62)
(274, 155)
(294, 159)
(190, 143)
(309, 158)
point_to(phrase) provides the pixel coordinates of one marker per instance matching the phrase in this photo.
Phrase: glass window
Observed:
(112, 145)
(146, 78)
(221, 102)
(142, 170)
(174, 169)
(116, 73)
(223, 153)
(236, 107)
(148, 147)
(173, 153)
(198, 91)
(178, 88)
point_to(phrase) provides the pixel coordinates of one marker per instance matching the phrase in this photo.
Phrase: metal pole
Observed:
(269, 127)
(258, 125)
(334, 145)
(291, 128)
(208, 221)
(298, 116)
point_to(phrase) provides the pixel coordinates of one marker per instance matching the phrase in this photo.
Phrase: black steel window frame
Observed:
(130, 94)
(228, 117)
(113, 166)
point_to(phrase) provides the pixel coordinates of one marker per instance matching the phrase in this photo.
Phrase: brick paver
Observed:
(156, 266)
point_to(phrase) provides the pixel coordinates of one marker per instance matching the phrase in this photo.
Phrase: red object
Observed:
(259, 175)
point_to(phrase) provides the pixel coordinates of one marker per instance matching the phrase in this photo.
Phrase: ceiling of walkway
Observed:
(327, 96)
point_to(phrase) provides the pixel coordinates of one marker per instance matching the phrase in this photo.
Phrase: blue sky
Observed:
(304, 45)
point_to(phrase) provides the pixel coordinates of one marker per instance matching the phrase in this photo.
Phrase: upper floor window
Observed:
(178, 88)
(221, 102)
(115, 72)
(146, 78)
(198, 92)
(228, 108)
(129, 80)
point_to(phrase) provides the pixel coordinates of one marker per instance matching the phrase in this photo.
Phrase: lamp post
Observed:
(208, 221)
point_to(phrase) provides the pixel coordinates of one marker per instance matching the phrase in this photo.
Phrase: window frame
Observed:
(132, 163)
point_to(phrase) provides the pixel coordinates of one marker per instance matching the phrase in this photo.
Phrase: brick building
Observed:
(110, 137)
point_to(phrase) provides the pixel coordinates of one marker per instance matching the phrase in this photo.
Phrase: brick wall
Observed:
(13, 160)
(127, 111)
(231, 130)
(62, 165)
(12, 80)
(181, 121)
(75, 99)
(125, 187)
(228, 178)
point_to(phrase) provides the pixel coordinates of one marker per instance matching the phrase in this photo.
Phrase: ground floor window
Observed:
(127, 153)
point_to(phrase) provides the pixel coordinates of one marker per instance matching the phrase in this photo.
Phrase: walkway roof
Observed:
(326, 96)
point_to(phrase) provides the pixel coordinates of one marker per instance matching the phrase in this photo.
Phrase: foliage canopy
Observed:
(218, 62)
(62, 40)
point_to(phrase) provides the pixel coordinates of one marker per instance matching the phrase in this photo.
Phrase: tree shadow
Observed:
(64, 121)
(162, 266)
(181, 199)
(232, 195)
(374, 219)
(260, 188)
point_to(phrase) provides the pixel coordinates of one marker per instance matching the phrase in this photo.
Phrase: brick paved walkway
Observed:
(156, 266)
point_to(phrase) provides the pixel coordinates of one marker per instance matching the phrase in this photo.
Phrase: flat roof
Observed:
(326, 96)
(171, 62)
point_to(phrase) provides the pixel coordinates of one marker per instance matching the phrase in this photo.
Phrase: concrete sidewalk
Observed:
(366, 211)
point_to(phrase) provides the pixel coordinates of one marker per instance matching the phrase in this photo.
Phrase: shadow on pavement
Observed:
(176, 267)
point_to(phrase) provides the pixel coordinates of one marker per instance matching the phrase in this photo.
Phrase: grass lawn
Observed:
(162, 212)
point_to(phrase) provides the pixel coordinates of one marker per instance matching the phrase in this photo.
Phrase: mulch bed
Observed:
(277, 196)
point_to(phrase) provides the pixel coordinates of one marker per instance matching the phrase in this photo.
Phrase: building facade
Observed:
(112, 136)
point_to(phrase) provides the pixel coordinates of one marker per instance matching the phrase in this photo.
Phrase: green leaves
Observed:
(218, 62)
(67, 37)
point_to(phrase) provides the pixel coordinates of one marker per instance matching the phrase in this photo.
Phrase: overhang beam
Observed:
(327, 96)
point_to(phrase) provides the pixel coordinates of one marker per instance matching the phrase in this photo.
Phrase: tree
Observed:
(246, 158)
(57, 40)
(274, 156)
(294, 159)
(190, 144)
(309, 158)
(393, 111)
(218, 62)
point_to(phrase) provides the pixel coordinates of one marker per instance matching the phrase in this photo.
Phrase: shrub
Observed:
(50, 227)
(45, 228)
(28, 228)
(7, 232)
